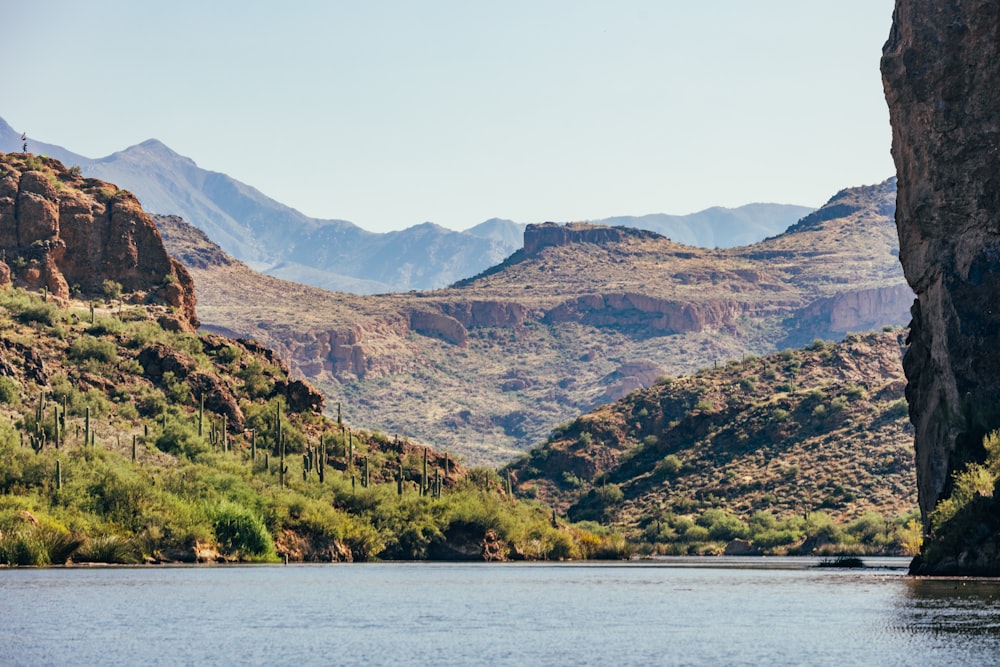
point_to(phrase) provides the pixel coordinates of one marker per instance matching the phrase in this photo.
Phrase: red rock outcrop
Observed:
(550, 234)
(59, 230)
(941, 70)
(648, 313)
(436, 324)
(478, 314)
(859, 310)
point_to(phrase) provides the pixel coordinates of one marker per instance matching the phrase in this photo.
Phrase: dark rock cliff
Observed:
(941, 71)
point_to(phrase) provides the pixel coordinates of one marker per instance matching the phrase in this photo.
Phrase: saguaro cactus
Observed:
(55, 423)
(321, 462)
(201, 415)
(424, 480)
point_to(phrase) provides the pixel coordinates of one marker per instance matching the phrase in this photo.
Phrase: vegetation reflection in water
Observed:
(648, 612)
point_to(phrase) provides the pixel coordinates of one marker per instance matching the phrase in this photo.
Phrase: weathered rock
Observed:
(438, 325)
(859, 310)
(300, 396)
(69, 231)
(740, 547)
(941, 70)
(645, 314)
(311, 547)
(550, 234)
(30, 361)
(199, 552)
(157, 359)
(219, 399)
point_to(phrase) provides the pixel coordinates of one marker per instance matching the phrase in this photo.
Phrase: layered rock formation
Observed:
(63, 232)
(941, 70)
(550, 235)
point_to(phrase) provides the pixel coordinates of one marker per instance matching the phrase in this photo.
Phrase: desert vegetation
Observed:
(124, 442)
(801, 451)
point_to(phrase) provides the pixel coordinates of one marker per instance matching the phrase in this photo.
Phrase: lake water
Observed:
(670, 612)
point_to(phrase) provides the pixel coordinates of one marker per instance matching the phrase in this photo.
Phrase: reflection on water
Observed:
(674, 611)
(964, 607)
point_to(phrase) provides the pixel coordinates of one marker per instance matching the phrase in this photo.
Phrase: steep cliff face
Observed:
(941, 70)
(550, 234)
(59, 230)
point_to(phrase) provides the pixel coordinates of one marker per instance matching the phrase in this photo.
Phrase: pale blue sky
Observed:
(393, 113)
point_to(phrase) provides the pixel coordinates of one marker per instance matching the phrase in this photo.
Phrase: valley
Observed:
(580, 316)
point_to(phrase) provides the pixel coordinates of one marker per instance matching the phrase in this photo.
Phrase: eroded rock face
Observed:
(59, 230)
(941, 70)
(550, 234)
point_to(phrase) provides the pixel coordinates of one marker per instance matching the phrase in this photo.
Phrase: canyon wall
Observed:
(941, 72)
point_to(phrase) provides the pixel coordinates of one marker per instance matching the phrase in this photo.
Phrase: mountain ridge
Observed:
(338, 254)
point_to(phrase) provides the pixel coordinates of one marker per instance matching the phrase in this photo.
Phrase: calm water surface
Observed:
(674, 612)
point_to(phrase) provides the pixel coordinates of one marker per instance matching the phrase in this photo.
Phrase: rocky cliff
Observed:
(941, 70)
(67, 233)
(551, 234)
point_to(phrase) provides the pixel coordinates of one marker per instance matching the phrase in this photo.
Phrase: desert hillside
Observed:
(581, 316)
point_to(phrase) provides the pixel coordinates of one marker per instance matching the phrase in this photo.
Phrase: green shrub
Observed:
(112, 548)
(255, 382)
(696, 533)
(177, 391)
(88, 347)
(111, 289)
(181, 439)
(10, 391)
(898, 409)
(37, 546)
(121, 496)
(668, 466)
(151, 402)
(771, 538)
(41, 312)
(242, 533)
(106, 326)
(571, 480)
(610, 494)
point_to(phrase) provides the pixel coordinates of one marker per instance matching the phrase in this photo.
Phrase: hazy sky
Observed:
(391, 113)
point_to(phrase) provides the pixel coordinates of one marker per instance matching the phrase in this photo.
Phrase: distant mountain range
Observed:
(340, 256)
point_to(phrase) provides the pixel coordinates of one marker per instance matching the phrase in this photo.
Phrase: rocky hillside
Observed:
(70, 234)
(941, 69)
(124, 442)
(126, 437)
(823, 429)
(582, 315)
